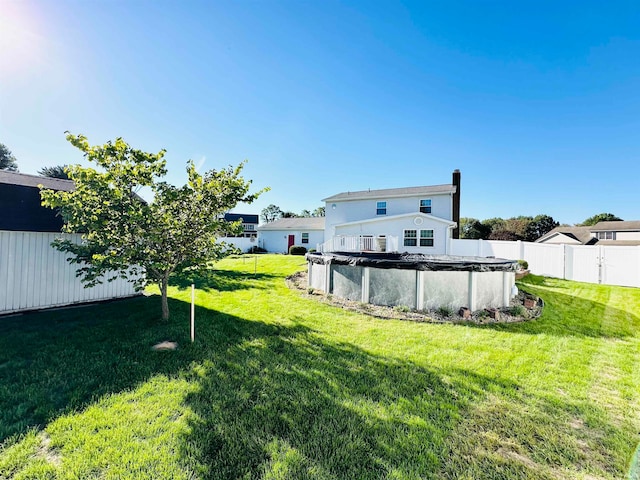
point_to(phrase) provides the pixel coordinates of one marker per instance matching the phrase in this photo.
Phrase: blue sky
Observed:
(537, 103)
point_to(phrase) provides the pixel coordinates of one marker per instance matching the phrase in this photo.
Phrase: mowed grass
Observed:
(278, 386)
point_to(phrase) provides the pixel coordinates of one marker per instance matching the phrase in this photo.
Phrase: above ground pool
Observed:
(421, 282)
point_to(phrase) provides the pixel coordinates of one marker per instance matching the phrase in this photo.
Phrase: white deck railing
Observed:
(360, 243)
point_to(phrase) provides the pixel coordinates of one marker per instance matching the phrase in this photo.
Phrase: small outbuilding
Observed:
(278, 236)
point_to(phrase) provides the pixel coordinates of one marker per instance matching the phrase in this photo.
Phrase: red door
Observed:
(292, 240)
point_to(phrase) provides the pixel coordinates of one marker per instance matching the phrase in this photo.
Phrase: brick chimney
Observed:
(456, 203)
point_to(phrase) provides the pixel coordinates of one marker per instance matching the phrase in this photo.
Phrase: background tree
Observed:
(271, 213)
(123, 236)
(7, 160)
(57, 171)
(289, 215)
(494, 224)
(473, 228)
(318, 212)
(518, 225)
(504, 235)
(600, 217)
(305, 213)
(540, 225)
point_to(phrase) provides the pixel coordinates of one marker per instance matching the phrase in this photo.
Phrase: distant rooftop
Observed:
(616, 225)
(306, 223)
(393, 192)
(26, 180)
(580, 234)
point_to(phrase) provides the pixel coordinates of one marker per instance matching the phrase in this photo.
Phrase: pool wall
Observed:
(476, 288)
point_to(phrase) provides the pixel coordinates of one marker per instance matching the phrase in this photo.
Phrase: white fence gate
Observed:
(608, 264)
(34, 275)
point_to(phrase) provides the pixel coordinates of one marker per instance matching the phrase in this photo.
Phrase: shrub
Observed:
(401, 308)
(517, 311)
(523, 264)
(445, 312)
(297, 250)
(256, 249)
(311, 250)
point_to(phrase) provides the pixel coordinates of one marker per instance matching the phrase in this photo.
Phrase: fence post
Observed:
(520, 250)
(472, 291)
(365, 285)
(419, 289)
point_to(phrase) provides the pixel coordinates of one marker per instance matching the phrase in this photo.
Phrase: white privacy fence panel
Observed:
(582, 263)
(34, 275)
(609, 264)
(241, 243)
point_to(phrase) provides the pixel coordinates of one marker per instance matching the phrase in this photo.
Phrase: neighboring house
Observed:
(21, 206)
(278, 236)
(569, 235)
(249, 223)
(411, 219)
(602, 233)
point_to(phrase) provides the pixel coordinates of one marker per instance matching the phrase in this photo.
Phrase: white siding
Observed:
(276, 241)
(627, 235)
(34, 275)
(354, 210)
(396, 227)
(561, 238)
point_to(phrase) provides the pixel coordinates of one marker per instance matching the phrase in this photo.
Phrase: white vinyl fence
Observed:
(608, 264)
(34, 275)
(242, 243)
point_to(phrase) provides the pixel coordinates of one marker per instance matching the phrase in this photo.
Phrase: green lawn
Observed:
(278, 386)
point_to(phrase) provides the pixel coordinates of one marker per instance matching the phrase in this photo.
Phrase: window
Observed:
(425, 206)
(249, 226)
(410, 238)
(381, 208)
(606, 235)
(426, 238)
(305, 238)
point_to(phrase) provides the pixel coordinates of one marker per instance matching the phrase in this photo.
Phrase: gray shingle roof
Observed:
(581, 234)
(392, 192)
(309, 223)
(26, 180)
(616, 226)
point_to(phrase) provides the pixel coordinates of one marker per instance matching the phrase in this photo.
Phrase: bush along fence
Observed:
(34, 275)
(605, 264)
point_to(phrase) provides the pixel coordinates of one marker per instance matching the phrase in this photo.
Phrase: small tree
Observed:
(318, 212)
(473, 228)
(289, 215)
(271, 213)
(57, 171)
(7, 160)
(124, 236)
(600, 217)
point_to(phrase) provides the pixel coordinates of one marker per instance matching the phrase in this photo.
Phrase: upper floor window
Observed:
(381, 208)
(426, 238)
(410, 238)
(425, 205)
(249, 226)
(305, 237)
(606, 235)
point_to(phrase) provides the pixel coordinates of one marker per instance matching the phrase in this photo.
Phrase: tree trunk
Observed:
(165, 304)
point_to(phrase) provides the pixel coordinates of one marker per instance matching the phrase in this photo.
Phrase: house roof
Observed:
(246, 218)
(392, 192)
(33, 181)
(306, 223)
(618, 226)
(384, 218)
(620, 243)
(580, 234)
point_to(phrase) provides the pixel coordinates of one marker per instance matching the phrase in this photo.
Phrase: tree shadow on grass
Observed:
(285, 402)
(221, 280)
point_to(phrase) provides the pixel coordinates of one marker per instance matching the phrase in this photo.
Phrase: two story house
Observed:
(602, 233)
(249, 223)
(410, 219)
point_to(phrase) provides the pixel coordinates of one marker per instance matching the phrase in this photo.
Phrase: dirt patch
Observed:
(45, 451)
(516, 312)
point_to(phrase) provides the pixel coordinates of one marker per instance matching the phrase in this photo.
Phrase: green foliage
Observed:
(124, 236)
(445, 312)
(57, 171)
(600, 217)
(517, 311)
(318, 212)
(472, 228)
(289, 215)
(271, 213)
(524, 265)
(7, 160)
(401, 308)
(539, 225)
(505, 235)
(297, 250)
